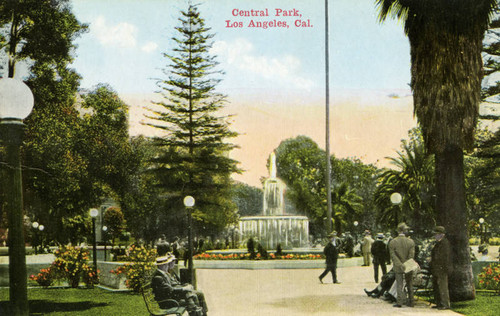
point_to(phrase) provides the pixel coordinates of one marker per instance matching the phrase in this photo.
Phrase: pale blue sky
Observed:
(274, 77)
(127, 38)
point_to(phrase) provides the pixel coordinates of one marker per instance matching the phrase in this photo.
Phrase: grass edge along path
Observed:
(97, 301)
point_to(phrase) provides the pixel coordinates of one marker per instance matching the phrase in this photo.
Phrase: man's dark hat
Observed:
(439, 230)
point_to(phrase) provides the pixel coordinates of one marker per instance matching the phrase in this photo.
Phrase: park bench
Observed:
(422, 284)
(153, 306)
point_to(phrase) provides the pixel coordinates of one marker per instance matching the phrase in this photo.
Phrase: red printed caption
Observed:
(266, 18)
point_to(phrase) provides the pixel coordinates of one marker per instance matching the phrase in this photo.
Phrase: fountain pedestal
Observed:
(274, 226)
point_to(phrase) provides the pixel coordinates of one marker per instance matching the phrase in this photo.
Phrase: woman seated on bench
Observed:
(166, 285)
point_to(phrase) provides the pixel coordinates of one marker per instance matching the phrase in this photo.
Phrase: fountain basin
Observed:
(289, 231)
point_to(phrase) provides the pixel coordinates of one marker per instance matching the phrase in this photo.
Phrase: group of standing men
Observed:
(401, 251)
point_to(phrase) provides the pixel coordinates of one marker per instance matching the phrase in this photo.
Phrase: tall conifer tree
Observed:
(195, 159)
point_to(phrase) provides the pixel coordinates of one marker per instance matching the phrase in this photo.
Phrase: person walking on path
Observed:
(331, 253)
(366, 246)
(402, 249)
(440, 268)
(379, 253)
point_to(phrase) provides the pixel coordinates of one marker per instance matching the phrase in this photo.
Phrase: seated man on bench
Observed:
(166, 285)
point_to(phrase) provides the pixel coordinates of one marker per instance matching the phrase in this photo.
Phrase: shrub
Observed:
(141, 262)
(489, 278)
(89, 276)
(262, 251)
(71, 263)
(45, 277)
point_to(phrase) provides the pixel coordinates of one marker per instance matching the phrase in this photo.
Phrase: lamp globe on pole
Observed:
(189, 202)
(93, 213)
(481, 227)
(105, 230)
(355, 223)
(35, 237)
(396, 198)
(16, 103)
(41, 228)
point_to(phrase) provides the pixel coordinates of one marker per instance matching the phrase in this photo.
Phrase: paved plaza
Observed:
(297, 292)
(293, 289)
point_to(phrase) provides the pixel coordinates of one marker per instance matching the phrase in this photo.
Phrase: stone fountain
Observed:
(274, 227)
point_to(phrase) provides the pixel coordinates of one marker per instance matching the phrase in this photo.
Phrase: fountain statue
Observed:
(274, 227)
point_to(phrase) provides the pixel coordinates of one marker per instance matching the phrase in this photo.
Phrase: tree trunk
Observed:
(452, 214)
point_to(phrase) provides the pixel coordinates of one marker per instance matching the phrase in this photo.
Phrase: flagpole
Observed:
(327, 126)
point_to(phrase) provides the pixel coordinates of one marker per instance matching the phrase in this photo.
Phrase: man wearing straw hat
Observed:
(166, 286)
(402, 249)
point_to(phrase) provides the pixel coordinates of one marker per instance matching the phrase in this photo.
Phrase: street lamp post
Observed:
(355, 231)
(41, 228)
(16, 103)
(35, 237)
(93, 213)
(105, 231)
(396, 199)
(481, 227)
(189, 203)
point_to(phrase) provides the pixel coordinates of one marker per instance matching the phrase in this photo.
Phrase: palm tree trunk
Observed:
(452, 215)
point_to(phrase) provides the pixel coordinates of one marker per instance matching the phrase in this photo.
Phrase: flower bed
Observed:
(489, 278)
(71, 264)
(247, 256)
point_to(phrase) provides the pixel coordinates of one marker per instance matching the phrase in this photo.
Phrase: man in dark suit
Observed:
(166, 285)
(331, 253)
(440, 267)
(379, 253)
(402, 249)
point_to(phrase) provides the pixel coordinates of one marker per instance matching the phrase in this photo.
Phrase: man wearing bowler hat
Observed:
(440, 268)
(379, 253)
(402, 249)
(166, 286)
(331, 252)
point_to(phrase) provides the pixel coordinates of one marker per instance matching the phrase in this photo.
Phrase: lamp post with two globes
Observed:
(16, 103)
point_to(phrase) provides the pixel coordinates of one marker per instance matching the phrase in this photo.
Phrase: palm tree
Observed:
(413, 178)
(446, 71)
(346, 206)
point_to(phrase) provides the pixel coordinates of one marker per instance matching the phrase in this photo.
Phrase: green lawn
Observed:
(100, 302)
(90, 302)
(485, 304)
